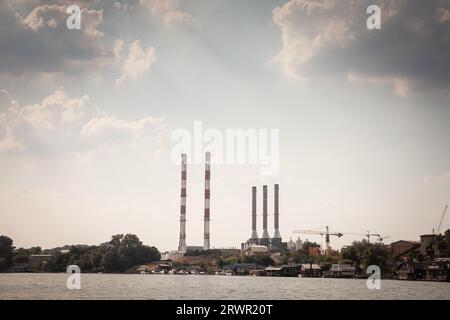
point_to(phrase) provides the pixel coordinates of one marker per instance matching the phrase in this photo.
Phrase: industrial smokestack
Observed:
(254, 235)
(276, 234)
(182, 243)
(265, 234)
(207, 199)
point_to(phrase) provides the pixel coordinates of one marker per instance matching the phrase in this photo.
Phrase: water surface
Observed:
(137, 286)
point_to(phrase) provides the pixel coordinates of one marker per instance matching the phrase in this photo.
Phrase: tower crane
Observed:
(442, 219)
(325, 233)
(367, 235)
(380, 238)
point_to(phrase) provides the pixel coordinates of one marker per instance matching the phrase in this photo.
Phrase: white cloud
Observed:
(57, 111)
(110, 127)
(169, 11)
(7, 140)
(60, 123)
(119, 44)
(137, 62)
(52, 16)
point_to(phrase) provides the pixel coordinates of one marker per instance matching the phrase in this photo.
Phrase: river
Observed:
(137, 286)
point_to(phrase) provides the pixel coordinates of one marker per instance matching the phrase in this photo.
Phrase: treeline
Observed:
(118, 255)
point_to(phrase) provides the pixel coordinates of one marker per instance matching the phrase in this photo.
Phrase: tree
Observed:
(443, 244)
(116, 240)
(6, 253)
(111, 261)
(220, 262)
(127, 251)
(131, 241)
(58, 262)
(376, 254)
(363, 254)
(121, 253)
(264, 260)
(230, 260)
(416, 255)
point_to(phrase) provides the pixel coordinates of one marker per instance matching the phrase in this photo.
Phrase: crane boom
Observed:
(442, 219)
(325, 233)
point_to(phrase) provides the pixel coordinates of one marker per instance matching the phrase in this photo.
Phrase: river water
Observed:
(137, 286)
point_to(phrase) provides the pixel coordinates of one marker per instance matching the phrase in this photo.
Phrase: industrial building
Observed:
(37, 262)
(274, 244)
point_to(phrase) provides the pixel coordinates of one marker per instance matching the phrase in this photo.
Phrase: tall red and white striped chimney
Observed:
(206, 240)
(182, 244)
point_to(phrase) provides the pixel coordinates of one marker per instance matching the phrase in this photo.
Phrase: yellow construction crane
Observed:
(325, 233)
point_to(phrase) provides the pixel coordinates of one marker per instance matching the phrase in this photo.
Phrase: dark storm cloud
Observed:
(410, 52)
(39, 40)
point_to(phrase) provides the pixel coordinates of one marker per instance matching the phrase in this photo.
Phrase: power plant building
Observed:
(276, 242)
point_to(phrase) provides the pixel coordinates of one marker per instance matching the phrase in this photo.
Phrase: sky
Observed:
(86, 117)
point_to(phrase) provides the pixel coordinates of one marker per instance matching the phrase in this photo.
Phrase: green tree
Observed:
(131, 241)
(111, 261)
(443, 244)
(230, 260)
(6, 253)
(116, 240)
(219, 261)
(127, 251)
(416, 255)
(264, 260)
(363, 254)
(58, 262)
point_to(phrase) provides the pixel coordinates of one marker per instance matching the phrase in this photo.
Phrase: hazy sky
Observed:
(86, 117)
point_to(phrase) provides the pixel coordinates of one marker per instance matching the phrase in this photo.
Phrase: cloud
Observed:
(60, 124)
(7, 140)
(400, 86)
(169, 11)
(112, 128)
(137, 62)
(57, 111)
(330, 37)
(40, 42)
(444, 178)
